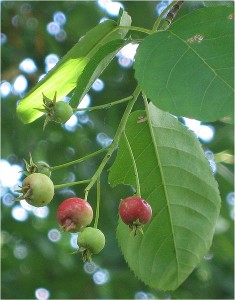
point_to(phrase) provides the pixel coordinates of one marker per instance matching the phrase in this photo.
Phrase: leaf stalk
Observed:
(159, 19)
(134, 28)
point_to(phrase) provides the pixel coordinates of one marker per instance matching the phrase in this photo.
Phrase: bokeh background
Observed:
(36, 256)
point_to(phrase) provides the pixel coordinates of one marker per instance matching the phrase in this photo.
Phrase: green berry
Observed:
(90, 241)
(37, 190)
(62, 112)
(44, 168)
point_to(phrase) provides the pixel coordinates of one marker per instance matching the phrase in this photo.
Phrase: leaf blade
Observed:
(188, 69)
(184, 217)
(101, 60)
(63, 77)
(95, 67)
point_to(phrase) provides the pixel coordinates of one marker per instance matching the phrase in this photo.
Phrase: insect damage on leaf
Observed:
(198, 38)
(231, 17)
(142, 119)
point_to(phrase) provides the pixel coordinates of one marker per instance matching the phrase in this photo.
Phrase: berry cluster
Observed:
(76, 214)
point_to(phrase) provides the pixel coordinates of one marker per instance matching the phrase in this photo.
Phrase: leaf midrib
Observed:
(164, 184)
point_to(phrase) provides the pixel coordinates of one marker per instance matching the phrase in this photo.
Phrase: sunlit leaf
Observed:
(95, 67)
(176, 179)
(100, 61)
(188, 69)
(64, 77)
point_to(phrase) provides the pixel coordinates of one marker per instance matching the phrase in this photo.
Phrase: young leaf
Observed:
(64, 76)
(187, 70)
(100, 61)
(123, 20)
(94, 68)
(176, 179)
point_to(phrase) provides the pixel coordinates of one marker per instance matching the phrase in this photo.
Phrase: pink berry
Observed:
(135, 212)
(74, 214)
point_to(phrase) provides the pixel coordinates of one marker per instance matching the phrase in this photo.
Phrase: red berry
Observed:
(74, 214)
(135, 211)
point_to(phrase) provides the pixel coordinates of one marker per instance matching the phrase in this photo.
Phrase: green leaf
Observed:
(218, 3)
(177, 181)
(124, 20)
(188, 69)
(95, 67)
(64, 77)
(100, 61)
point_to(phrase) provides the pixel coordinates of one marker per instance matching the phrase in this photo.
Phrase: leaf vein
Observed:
(193, 232)
(163, 181)
(189, 172)
(176, 63)
(159, 126)
(194, 210)
(225, 103)
(202, 59)
(189, 251)
(205, 92)
(155, 256)
(186, 188)
(182, 151)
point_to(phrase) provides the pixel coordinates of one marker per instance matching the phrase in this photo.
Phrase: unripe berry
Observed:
(57, 111)
(39, 167)
(44, 168)
(62, 112)
(90, 241)
(37, 189)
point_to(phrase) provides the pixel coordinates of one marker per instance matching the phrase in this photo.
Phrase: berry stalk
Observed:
(108, 105)
(60, 186)
(138, 193)
(79, 159)
(116, 139)
(97, 212)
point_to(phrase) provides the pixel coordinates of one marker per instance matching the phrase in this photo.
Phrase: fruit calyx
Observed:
(38, 167)
(26, 192)
(57, 111)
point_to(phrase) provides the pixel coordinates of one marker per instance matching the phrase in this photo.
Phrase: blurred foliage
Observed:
(50, 265)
